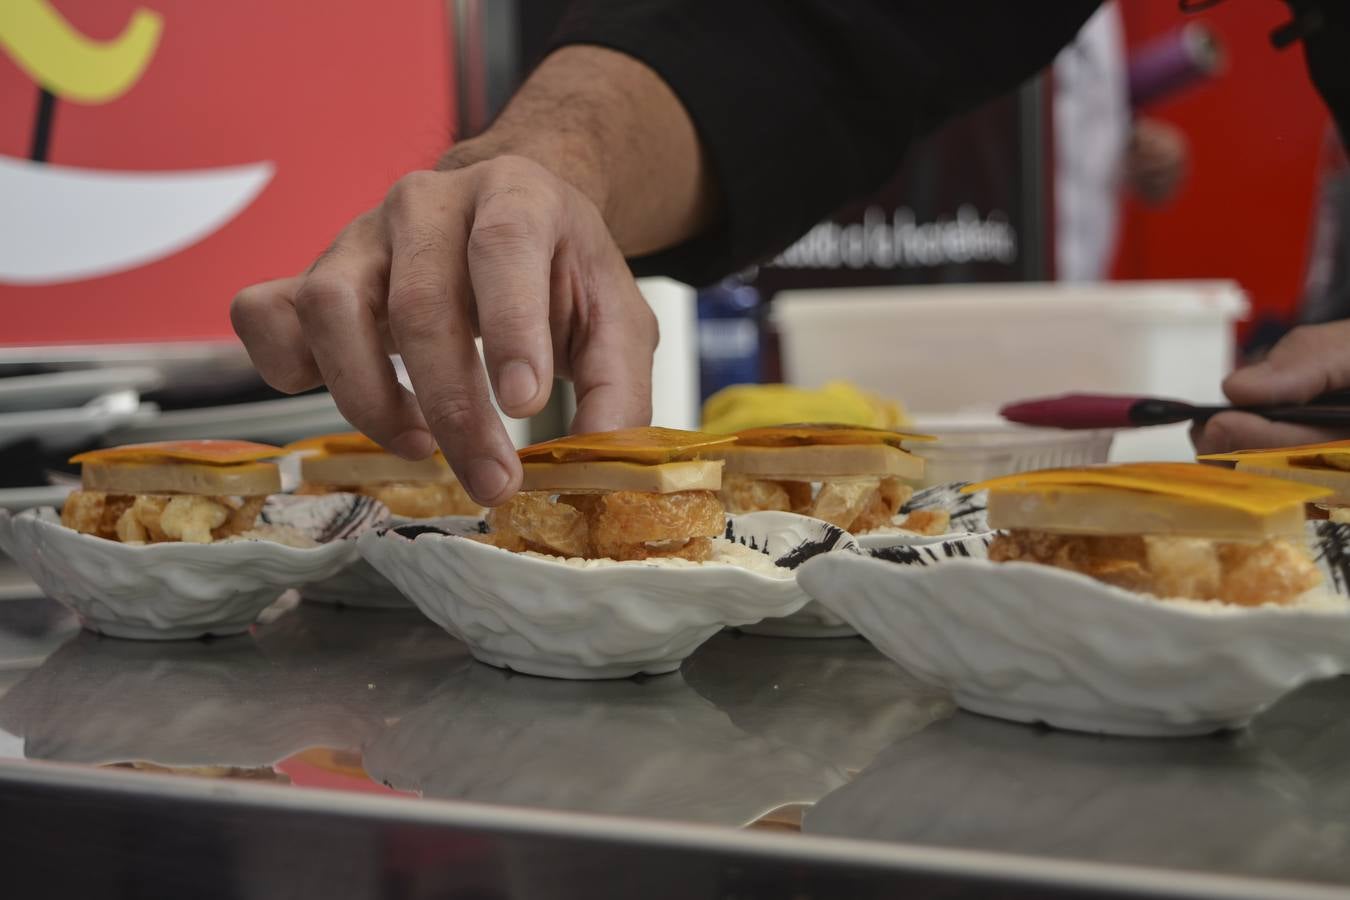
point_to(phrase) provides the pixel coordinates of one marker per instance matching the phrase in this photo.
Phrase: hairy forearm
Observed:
(608, 125)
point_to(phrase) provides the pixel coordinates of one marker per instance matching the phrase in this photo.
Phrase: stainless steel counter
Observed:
(357, 711)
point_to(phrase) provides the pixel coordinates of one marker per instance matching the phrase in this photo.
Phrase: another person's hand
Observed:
(1307, 362)
(1155, 160)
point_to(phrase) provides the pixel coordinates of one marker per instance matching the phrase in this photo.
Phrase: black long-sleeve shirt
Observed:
(805, 105)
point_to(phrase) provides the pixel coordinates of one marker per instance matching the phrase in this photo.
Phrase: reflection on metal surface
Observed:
(309, 681)
(650, 747)
(838, 700)
(1230, 803)
(754, 730)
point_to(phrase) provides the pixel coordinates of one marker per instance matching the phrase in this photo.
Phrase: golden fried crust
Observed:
(94, 512)
(156, 518)
(625, 518)
(928, 522)
(882, 506)
(743, 494)
(1276, 570)
(622, 525)
(532, 520)
(416, 500)
(858, 505)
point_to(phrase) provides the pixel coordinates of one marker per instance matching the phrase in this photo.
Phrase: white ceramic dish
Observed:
(543, 616)
(1038, 644)
(55, 390)
(174, 591)
(361, 587)
(789, 531)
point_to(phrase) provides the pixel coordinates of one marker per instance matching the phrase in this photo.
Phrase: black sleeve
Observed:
(805, 105)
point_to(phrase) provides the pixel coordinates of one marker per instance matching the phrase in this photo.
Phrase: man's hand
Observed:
(1155, 160)
(1309, 361)
(520, 237)
(503, 247)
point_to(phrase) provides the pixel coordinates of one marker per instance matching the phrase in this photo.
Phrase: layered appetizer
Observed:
(1325, 465)
(635, 494)
(352, 463)
(1171, 530)
(195, 492)
(853, 477)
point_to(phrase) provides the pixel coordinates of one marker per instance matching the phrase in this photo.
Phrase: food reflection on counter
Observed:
(490, 736)
(842, 701)
(1227, 803)
(229, 705)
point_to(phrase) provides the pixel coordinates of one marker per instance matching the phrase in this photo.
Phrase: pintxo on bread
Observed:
(351, 463)
(633, 494)
(1173, 530)
(853, 477)
(192, 491)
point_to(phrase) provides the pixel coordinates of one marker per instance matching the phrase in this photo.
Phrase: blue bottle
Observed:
(728, 336)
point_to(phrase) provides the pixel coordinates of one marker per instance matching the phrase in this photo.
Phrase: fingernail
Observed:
(414, 444)
(516, 383)
(487, 479)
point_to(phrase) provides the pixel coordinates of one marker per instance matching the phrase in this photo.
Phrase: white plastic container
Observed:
(976, 447)
(972, 348)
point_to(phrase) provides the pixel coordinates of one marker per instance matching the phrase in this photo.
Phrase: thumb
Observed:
(1243, 431)
(1307, 362)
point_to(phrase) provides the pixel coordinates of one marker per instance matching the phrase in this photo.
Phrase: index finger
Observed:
(429, 320)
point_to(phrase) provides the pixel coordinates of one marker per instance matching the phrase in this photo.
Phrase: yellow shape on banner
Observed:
(68, 64)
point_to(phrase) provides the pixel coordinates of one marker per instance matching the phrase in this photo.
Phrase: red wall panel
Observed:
(1255, 136)
(341, 96)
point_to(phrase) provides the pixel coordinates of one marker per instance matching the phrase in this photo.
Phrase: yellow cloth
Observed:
(744, 406)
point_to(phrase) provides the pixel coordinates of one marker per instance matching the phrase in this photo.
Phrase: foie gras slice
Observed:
(205, 467)
(1150, 498)
(822, 452)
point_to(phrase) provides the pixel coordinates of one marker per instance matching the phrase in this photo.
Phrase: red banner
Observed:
(189, 149)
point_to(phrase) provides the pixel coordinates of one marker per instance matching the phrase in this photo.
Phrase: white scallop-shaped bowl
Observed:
(360, 586)
(793, 540)
(168, 591)
(968, 517)
(542, 616)
(1034, 643)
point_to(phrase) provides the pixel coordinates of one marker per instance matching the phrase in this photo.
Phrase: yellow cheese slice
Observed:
(1210, 485)
(248, 479)
(1335, 479)
(373, 468)
(202, 451)
(810, 434)
(346, 442)
(1328, 455)
(1114, 511)
(636, 445)
(821, 462)
(603, 476)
